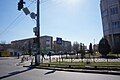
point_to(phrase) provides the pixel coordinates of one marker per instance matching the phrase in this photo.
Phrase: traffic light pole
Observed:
(37, 55)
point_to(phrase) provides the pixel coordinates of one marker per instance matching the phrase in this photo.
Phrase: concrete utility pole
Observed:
(37, 56)
(36, 29)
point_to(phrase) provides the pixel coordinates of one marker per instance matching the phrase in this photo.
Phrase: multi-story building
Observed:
(46, 43)
(22, 45)
(29, 44)
(110, 13)
(64, 47)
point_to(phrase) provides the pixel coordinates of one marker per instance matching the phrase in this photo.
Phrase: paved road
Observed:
(10, 71)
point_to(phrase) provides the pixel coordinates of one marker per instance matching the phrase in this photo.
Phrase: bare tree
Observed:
(2, 42)
(76, 47)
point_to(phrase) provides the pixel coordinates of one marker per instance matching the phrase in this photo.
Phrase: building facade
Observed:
(110, 13)
(64, 47)
(46, 43)
(28, 45)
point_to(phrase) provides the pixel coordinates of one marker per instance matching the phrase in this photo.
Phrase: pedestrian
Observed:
(32, 61)
(43, 55)
(18, 55)
(56, 59)
(22, 59)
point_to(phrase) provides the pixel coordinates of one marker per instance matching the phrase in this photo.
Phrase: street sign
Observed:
(59, 40)
(26, 11)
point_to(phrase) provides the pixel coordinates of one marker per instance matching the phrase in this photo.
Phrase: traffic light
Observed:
(35, 30)
(34, 40)
(20, 4)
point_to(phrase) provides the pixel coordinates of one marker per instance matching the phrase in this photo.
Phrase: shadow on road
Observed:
(50, 72)
(15, 73)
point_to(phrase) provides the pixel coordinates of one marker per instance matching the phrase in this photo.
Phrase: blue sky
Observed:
(73, 20)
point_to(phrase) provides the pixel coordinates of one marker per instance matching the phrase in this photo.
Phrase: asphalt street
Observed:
(9, 70)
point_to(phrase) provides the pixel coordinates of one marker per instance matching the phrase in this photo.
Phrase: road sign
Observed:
(59, 40)
(26, 11)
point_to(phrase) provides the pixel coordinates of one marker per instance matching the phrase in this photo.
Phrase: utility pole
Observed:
(36, 29)
(37, 55)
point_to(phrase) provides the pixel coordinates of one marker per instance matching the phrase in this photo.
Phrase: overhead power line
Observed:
(9, 25)
(19, 15)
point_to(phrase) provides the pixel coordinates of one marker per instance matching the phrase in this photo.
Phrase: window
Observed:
(116, 24)
(104, 13)
(47, 45)
(114, 10)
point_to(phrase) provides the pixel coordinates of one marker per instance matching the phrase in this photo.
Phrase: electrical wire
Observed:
(34, 20)
(10, 24)
(19, 15)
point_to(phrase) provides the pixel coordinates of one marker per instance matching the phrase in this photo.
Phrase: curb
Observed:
(78, 70)
(83, 71)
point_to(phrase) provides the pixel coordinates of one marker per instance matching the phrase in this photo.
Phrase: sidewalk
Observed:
(82, 70)
(75, 70)
(25, 62)
(5, 58)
